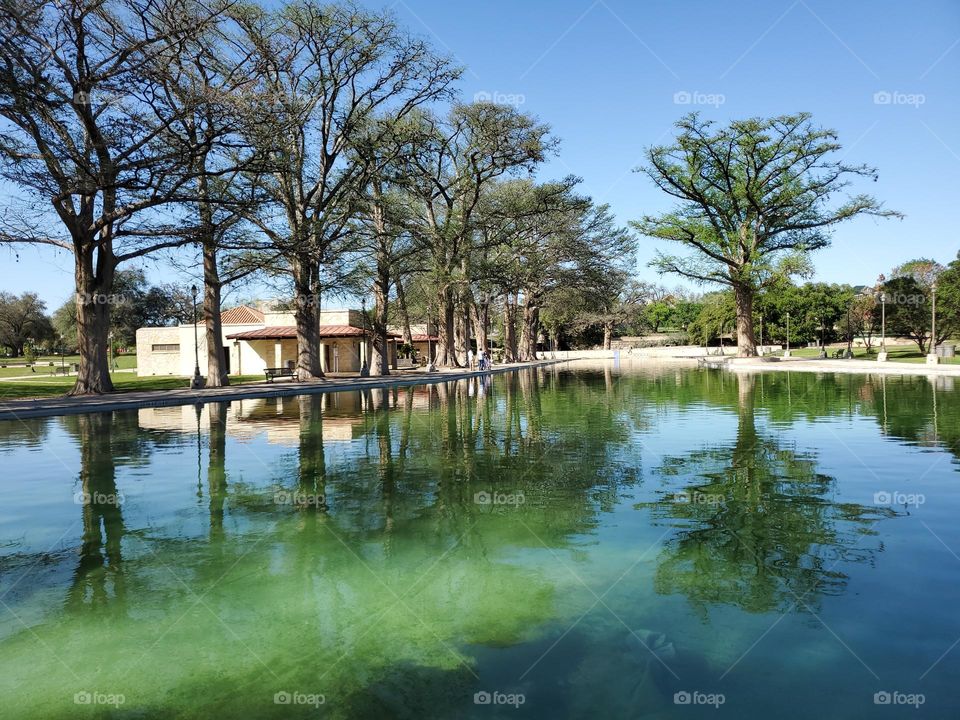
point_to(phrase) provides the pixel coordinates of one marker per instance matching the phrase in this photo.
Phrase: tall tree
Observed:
(87, 133)
(461, 158)
(328, 74)
(22, 319)
(754, 201)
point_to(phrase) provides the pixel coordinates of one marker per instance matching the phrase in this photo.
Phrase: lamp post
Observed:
(364, 367)
(882, 355)
(932, 358)
(787, 353)
(197, 381)
(823, 349)
(849, 354)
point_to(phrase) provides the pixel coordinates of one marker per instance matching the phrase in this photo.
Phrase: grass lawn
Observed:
(895, 353)
(15, 367)
(45, 386)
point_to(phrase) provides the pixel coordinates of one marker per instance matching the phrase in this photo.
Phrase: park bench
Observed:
(272, 373)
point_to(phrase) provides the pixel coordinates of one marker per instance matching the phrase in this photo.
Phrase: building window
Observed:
(166, 347)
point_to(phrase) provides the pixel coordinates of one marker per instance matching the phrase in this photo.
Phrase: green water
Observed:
(577, 543)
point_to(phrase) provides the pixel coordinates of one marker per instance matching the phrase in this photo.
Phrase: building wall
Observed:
(152, 361)
(161, 362)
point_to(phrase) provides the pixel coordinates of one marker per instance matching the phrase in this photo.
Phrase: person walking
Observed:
(470, 358)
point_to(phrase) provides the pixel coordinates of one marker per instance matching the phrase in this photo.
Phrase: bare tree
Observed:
(87, 133)
(327, 74)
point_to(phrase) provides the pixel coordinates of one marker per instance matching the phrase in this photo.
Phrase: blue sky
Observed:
(612, 76)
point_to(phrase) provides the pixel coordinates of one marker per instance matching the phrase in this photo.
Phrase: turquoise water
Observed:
(558, 543)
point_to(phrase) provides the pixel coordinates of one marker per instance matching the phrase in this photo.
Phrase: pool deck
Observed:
(66, 405)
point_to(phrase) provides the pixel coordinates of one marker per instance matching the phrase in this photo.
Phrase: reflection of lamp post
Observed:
(932, 355)
(197, 381)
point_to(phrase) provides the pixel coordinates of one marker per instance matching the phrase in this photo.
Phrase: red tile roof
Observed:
(241, 315)
(423, 337)
(281, 332)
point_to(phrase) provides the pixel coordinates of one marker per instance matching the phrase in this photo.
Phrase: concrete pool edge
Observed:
(133, 400)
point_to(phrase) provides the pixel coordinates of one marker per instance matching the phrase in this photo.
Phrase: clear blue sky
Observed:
(606, 76)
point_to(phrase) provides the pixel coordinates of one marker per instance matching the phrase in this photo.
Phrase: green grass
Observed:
(44, 387)
(41, 365)
(895, 353)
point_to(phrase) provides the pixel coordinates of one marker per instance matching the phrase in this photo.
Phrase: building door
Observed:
(226, 359)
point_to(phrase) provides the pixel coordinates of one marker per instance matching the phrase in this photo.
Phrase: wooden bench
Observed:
(272, 373)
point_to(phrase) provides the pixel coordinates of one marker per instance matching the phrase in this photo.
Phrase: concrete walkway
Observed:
(852, 366)
(66, 405)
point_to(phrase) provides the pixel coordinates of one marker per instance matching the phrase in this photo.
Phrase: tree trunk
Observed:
(404, 315)
(93, 319)
(509, 331)
(529, 331)
(445, 356)
(460, 334)
(307, 316)
(380, 364)
(481, 323)
(607, 335)
(216, 362)
(746, 342)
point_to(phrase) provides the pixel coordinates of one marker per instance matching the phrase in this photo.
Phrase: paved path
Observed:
(66, 405)
(871, 367)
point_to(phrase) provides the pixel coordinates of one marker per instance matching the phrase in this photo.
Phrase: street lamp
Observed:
(823, 348)
(882, 355)
(364, 367)
(849, 354)
(932, 356)
(787, 353)
(197, 381)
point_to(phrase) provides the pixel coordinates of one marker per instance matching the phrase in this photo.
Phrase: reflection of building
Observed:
(254, 340)
(276, 418)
